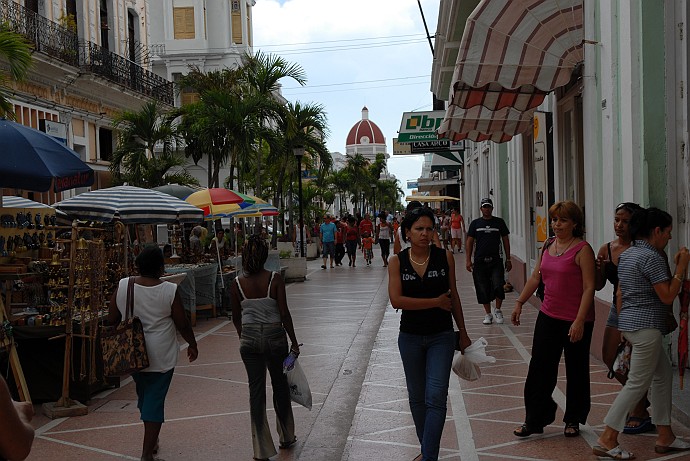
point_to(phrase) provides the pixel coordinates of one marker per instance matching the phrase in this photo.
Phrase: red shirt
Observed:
(366, 226)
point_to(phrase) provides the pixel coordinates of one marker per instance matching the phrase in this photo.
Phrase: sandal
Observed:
(642, 425)
(571, 429)
(677, 445)
(526, 431)
(614, 453)
(285, 445)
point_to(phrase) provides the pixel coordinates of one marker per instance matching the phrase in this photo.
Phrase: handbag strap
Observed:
(129, 308)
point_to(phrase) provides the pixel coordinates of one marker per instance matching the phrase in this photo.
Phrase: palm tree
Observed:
(146, 149)
(262, 74)
(357, 167)
(17, 52)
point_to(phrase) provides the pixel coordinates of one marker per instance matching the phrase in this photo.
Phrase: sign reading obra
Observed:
(420, 126)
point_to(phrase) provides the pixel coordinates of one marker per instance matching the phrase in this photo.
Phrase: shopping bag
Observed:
(466, 365)
(299, 387)
(123, 345)
(621, 365)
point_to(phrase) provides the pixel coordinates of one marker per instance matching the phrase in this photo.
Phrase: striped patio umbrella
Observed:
(130, 205)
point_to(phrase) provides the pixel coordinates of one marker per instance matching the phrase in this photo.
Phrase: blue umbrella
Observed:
(33, 160)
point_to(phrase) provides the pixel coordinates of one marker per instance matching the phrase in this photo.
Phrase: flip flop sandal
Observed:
(613, 453)
(526, 431)
(677, 445)
(643, 425)
(571, 429)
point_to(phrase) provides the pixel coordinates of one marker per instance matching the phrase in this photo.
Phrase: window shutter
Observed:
(183, 23)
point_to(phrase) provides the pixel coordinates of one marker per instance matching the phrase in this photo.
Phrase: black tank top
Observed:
(434, 283)
(611, 273)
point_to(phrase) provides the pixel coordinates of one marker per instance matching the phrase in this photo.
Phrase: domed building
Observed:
(366, 138)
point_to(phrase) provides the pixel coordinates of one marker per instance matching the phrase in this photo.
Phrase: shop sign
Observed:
(55, 129)
(412, 184)
(420, 126)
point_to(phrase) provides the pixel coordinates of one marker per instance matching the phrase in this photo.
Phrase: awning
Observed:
(482, 124)
(430, 198)
(512, 54)
(446, 161)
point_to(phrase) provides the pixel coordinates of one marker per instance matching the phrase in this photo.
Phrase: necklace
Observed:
(422, 263)
(566, 248)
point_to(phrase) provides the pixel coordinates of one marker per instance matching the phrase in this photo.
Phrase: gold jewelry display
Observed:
(422, 263)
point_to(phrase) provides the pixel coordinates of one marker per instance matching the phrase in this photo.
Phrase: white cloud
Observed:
(280, 23)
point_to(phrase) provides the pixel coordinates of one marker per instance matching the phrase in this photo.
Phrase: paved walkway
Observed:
(360, 408)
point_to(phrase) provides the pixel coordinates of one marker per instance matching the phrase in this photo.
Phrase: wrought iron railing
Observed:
(61, 43)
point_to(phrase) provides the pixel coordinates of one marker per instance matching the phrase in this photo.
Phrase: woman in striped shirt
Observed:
(645, 295)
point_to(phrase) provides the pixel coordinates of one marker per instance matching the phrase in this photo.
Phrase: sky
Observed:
(355, 53)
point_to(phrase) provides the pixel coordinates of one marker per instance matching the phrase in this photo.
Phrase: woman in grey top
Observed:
(644, 298)
(261, 317)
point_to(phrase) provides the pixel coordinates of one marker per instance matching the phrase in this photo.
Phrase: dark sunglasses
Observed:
(628, 206)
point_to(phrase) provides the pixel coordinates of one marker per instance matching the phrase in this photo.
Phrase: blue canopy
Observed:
(33, 160)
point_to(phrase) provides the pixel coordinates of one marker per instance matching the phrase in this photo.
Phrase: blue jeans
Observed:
(427, 360)
(264, 346)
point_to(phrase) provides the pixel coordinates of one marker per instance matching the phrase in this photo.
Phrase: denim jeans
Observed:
(427, 361)
(264, 346)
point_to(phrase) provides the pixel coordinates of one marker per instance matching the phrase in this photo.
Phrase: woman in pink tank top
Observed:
(564, 324)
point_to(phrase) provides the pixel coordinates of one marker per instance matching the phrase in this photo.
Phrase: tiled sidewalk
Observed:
(360, 408)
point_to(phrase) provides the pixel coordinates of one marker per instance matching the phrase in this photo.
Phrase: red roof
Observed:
(365, 132)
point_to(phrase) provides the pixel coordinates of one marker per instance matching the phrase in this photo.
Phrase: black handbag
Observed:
(540, 289)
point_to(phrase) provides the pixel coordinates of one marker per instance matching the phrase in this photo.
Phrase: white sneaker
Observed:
(488, 320)
(499, 316)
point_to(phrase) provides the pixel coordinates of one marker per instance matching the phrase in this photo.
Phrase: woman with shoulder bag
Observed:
(261, 317)
(158, 305)
(645, 295)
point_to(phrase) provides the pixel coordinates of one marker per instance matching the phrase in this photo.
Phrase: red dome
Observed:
(365, 132)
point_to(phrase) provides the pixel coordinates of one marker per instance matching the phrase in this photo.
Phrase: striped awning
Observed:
(130, 205)
(482, 124)
(512, 54)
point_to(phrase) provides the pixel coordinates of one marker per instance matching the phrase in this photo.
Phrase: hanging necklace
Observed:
(566, 248)
(422, 263)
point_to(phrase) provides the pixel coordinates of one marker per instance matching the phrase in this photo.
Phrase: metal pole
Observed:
(301, 216)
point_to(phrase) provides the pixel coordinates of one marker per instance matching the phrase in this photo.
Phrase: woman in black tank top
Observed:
(421, 282)
(607, 269)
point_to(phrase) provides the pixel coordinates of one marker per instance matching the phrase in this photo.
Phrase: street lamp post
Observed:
(299, 153)
(373, 195)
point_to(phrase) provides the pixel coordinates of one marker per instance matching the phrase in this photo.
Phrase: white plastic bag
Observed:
(466, 365)
(299, 387)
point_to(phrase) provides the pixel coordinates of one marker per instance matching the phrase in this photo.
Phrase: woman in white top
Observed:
(384, 233)
(263, 322)
(159, 307)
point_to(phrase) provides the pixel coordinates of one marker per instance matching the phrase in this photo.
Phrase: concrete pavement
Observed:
(360, 410)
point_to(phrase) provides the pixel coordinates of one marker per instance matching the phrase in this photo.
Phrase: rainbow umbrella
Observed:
(209, 199)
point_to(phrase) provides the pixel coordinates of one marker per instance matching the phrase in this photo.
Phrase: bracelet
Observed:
(518, 301)
(678, 277)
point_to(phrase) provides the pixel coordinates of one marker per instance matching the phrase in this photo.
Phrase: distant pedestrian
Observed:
(365, 225)
(261, 317)
(421, 282)
(352, 241)
(368, 247)
(341, 227)
(384, 232)
(327, 232)
(484, 240)
(296, 236)
(457, 230)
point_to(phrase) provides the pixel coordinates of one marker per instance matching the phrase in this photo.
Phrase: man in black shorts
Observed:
(484, 238)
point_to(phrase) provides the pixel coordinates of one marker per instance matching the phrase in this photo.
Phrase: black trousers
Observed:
(339, 253)
(549, 343)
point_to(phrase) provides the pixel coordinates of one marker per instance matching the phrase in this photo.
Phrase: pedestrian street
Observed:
(360, 410)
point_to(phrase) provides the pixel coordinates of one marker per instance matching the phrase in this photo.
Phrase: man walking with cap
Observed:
(486, 234)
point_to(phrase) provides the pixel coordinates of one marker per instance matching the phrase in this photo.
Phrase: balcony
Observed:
(64, 45)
